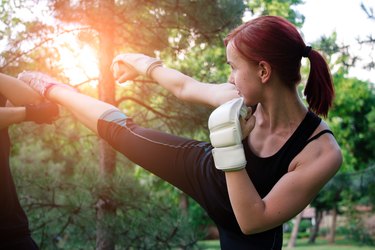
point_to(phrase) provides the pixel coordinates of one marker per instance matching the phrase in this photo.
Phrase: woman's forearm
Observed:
(11, 115)
(245, 200)
(188, 89)
(129, 65)
(17, 92)
(172, 80)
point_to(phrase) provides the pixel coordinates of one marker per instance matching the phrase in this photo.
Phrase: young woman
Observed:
(290, 152)
(14, 228)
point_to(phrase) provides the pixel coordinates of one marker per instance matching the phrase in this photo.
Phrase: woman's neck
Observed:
(281, 109)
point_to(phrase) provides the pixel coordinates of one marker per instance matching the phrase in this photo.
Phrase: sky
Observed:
(322, 17)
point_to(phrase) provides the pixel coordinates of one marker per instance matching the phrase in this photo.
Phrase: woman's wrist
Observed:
(153, 71)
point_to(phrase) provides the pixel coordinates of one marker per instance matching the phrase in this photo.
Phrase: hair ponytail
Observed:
(319, 90)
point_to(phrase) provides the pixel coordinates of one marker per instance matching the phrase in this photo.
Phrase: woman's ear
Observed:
(264, 71)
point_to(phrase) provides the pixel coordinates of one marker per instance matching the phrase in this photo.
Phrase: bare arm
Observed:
(191, 90)
(128, 66)
(11, 115)
(294, 191)
(17, 92)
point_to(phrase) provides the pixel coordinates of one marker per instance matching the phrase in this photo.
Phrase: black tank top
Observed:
(265, 172)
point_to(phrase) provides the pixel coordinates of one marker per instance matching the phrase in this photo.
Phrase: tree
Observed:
(155, 19)
(351, 120)
(95, 23)
(278, 8)
(294, 234)
(370, 40)
(349, 187)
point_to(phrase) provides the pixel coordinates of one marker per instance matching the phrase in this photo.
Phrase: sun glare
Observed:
(80, 62)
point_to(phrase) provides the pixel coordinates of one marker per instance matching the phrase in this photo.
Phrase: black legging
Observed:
(186, 164)
(26, 243)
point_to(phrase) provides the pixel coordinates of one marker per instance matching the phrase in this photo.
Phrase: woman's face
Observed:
(244, 75)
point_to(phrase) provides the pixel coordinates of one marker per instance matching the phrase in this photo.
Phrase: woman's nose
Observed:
(231, 79)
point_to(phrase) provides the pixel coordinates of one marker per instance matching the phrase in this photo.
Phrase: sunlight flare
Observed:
(79, 61)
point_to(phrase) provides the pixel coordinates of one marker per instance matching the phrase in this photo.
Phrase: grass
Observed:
(302, 244)
(209, 245)
(322, 244)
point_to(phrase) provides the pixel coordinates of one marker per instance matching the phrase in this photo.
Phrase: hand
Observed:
(45, 112)
(247, 122)
(130, 65)
(226, 135)
(40, 82)
(123, 72)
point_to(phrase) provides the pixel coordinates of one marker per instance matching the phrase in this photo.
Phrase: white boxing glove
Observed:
(226, 135)
(140, 63)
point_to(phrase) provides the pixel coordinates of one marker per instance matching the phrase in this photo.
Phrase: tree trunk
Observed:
(184, 203)
(105, 206)
(293, 236)
(332, 230)
(104, 209)
(316, 227)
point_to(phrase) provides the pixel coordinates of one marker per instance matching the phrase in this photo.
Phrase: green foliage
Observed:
(60, 188)
(355, 229)
(351, 117)
(25, 39)
(146, 26)
(277, 8)
(305, 225)
(205, 62)
(352, 121)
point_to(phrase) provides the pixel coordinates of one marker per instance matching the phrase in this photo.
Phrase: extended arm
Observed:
(188, 89)
(129, 66)
(17, 92)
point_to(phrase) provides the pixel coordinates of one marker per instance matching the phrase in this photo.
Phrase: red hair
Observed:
(276, 40)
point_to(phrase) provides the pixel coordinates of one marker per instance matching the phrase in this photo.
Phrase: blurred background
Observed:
(80, 194)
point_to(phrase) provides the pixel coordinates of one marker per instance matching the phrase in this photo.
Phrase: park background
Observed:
(80, 194)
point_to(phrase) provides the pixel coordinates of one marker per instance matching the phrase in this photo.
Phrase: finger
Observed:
(123, 72)
(247, 126)
(250, 123)
(127, 76)
(249, 113)
(117, 67)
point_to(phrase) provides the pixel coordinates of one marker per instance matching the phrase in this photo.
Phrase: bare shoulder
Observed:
(322, 154)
